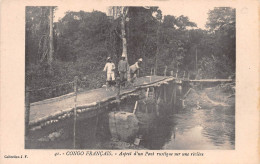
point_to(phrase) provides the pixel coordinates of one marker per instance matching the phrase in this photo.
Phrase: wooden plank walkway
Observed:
(45, 108)
(210, 80)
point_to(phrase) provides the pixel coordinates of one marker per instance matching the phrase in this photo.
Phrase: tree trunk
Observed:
(116, 12)
(157, 49)
(124, 11)
(123, 30)
(50, 57)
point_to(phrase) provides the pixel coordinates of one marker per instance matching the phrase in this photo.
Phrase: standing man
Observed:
(122, 69)
(110, 69)
(134, 69)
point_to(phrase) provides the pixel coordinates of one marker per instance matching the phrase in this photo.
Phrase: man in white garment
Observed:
(110, 69)
(134, 69)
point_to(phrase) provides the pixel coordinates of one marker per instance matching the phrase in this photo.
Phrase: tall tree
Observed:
(159, 18)
(142, 35)
(50, 57)
(120, 12)
(124, 12)
(222, 28)
(174, 40)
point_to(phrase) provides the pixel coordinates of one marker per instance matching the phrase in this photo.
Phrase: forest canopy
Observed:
(83, 40)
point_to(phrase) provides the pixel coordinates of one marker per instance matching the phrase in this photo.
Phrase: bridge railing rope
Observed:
(55, 91)
(50, 92)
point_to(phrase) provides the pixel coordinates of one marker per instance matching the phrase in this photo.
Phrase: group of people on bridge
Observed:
(123, 69)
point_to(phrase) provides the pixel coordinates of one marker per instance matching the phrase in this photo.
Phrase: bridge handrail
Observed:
(54, 91)
(52, 87)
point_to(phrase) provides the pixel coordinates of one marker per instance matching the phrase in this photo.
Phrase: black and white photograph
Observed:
(130, 77)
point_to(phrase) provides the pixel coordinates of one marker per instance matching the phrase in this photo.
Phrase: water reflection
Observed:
(186, 129)
(202, 129)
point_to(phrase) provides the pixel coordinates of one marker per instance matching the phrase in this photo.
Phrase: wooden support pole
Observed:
(147, 93)
(173, 91)
(159, 96)
(136, 103)
(146, 110)
(186, 94)
(27, 111)
(165, 70)
(75, 110)
(172, 73)
(118, 93)
(165, 93)
(182, 103)
(158, 100)
(179, 88)
(153, 93)
(96, 125)
(196, 62)
(174, 97)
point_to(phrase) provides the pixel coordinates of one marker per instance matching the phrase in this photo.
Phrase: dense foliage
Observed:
(83, 41)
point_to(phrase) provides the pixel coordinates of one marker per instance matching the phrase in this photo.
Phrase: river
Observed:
(206, 128)
(187, 129)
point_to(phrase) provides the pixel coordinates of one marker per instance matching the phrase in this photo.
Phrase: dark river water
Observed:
(203, 129)
(186, 129)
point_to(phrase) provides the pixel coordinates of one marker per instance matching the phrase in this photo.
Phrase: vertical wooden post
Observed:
(164, 91)
(136, 103)
(165, 70)
(96, 125)
(75, 110)
(172, 73)
(174, 96)
(182, 96)
(147, 93)
(118, 93)
(179, 88)
(153, 93)
(27, 110)
(158, 100)
(196, 62)
(173, 90)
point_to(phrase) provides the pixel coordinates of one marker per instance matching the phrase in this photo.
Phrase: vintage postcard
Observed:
(130, 81)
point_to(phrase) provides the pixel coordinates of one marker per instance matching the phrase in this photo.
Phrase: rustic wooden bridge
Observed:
(45, 116)
(86, 104)
(52, 110)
